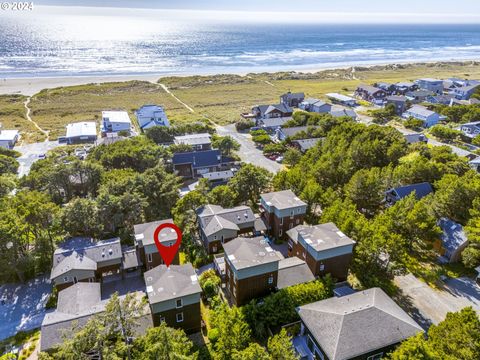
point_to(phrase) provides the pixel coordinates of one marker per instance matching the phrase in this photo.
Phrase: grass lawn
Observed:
(221, 97)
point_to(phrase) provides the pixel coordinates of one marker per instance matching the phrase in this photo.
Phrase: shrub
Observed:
(243, 125)
(213, 335)
(209, 281)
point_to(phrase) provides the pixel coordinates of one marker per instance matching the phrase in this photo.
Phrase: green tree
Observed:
(222, 195)
(414, 348)
(412, 123)
(160, 134)
(8, 165)
(209, 281)
(252, 352)
(86, 210)
(476, 140)
(444, 133)
(226, 144)
(280, 347)
(292, 156)
(249, 182)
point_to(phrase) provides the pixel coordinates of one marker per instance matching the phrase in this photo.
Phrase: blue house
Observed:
(197, 163)
(151, 115)
(428, 117)
(453, 240)
(395, 194)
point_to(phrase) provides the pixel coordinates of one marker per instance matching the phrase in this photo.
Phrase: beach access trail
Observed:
(28, 117)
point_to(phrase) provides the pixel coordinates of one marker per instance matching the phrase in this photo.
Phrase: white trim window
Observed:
(162, 319)
(179, 317)
(179, 303)
(270, 280)
(281, 221)
(280, 232)
(66, 279)
(149, 257)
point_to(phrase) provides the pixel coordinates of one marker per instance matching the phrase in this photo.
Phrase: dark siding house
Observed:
(323, 247)
(292, 99)
(400, 103)
(365, 325)
(370, 93)
(195, 164)
(395, 194)
(174, 296)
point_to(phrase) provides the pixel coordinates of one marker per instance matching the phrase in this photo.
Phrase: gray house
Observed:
(81, 132)
(315, 105)
(364, 325)
(471, 129)
(453, 240)
(433, 85)
(428, 117)
(218, 225)
(292, 99)
(399, 101)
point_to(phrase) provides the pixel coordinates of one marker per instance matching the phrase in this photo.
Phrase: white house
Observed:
(428, 117)
(471, 129)
(151, 115)
(8, 138)
(81, 132)
(115, 121)
(433, 85)
(342, 99)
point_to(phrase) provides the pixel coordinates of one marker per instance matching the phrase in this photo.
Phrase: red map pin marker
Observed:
(167, 252)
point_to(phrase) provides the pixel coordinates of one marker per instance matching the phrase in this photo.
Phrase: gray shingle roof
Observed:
(369, 89)
(214, 218)
(352, 325)
(274, 122)
(293, 271)
(249, 252)
(291, 131)
(171, 283)
(131, 259)
(84, 254)
(420, 110)
(320, 237)
(306, 144)
(282, 199)
(144, 232)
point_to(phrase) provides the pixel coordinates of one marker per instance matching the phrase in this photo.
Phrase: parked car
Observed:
(42, 156)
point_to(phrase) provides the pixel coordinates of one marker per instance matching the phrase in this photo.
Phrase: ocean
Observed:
(49, 45)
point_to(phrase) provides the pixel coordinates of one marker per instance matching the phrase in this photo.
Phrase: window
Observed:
(214, 249)
(270, 280)
(298, 221)
(179, 303)
(280, 232)
(322, 267)
(75, 280)
(162, 319)
(290, 225)
(375, 357)
(179, 317)
(65, 279)
(281, 221)
(149, 258)
(91, 280)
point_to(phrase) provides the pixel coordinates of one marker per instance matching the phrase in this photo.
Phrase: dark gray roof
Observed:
(131, 259)
(419, 93)
(291, 131)
(275, 122)
(213, 218)
(396, 98)
(414, 138)
(284, 108)
(78, 303)
(369, 89)
(293, 271)
(282, 199)
(320, 237)
(421, 190)
(453, 236)
(200, 159)
(339, 112)
(167, 283)
(249, 252)
(290, 95)
(144, 232)
(353, 325)
(259, 224)
(306, 144)
(84, 254)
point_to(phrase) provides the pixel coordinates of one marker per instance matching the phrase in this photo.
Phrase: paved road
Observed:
(248, 152)
(30, 153)
(432, 305)
(24, 307)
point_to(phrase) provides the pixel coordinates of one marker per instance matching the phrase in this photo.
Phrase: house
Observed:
(251, 269)
(419, 96)
(292, 99)
(75, 306)
(293, 271)
(272, 111)
(273, 124)
(370, 93)
(395, 194)
(365, 325)
(306, 144)
(453, 240)
(471, 101)
(115, 121)
(81, 132)
(301, 131)
(151, 115)
(465, 92)
(401, 88)
(85, 260)
(399, 101)
(323, 247)
(433, 85)
(8, 138)
(216, 178)
(338, 111)
(196, 163)
(281, 211)
(387, 87)
(218, 225)
(315, 105)
(341, 99)
(471, 129)
(475, 164)
(145, 242)
(174, 296)
(415, 138)
(428, 117)
(439, 99)
(198, 142)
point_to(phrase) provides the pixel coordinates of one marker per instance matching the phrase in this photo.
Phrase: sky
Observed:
(398, 11)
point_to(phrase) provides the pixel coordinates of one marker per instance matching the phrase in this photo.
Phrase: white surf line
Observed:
(27, 115)
(176, 98)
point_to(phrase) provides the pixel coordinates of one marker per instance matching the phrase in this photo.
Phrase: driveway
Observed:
(248, 152)
(429, 306)
(30, 153)
(24, 307)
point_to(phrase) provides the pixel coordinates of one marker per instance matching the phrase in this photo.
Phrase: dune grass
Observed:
(221, 97)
